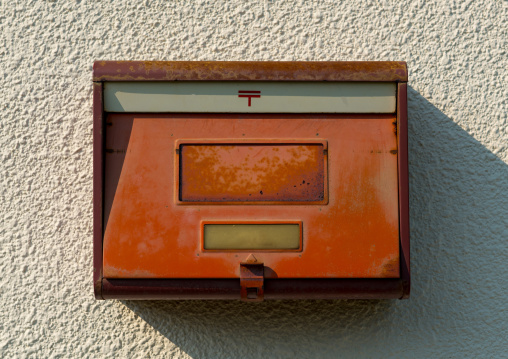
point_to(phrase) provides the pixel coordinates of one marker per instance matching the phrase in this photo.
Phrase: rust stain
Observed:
(393, 152)
(249, 71)
(114, 272)
(391, 268)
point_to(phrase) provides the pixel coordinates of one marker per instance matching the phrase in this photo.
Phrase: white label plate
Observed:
(263, 97)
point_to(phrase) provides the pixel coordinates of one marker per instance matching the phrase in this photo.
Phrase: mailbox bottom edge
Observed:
(229, 289)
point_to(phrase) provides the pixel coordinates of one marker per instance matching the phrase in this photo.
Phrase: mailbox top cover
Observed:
(201, 168)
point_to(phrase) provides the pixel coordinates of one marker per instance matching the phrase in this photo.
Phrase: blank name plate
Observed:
(271, 236)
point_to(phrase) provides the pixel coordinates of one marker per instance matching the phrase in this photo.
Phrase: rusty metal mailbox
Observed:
(250, 180)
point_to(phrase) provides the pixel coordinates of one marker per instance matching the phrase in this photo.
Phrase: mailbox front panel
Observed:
(347, 205)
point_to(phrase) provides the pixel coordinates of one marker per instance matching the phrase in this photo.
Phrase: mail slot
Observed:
(250, 180)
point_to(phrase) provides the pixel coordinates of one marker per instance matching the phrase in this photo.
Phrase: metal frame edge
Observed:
(403, 167)
(98, 186)
(340, 71)
(274, 289)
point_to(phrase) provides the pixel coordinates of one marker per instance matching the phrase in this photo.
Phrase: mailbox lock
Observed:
(251, 280)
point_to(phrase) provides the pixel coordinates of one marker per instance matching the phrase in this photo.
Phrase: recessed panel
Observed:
(259, 171)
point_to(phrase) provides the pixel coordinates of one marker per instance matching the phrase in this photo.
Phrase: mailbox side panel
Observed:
(98, 176)
(403, 187)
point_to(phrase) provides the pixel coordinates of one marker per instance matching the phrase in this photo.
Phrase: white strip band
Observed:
(263, 97)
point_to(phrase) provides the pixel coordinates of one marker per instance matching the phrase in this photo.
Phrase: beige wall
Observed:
(457, 59)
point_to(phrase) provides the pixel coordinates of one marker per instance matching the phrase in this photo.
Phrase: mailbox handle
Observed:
(252, 280)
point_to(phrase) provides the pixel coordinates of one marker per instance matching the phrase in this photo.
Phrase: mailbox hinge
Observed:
(251, 280)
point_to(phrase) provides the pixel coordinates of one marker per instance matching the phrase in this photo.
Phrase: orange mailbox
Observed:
(250, 180)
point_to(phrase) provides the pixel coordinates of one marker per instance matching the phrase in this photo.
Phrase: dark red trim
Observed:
(273, 289)
(402, 135)
(98, 175)
(385, 71)
(333, 288)
(171, 289)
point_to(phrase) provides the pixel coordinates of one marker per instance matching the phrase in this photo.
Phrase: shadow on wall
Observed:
(459, 214)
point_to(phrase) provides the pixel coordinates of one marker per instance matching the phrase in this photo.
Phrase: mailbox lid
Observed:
(336, 71)
(149, 234)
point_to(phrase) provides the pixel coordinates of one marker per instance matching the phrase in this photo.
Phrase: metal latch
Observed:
(251, 280)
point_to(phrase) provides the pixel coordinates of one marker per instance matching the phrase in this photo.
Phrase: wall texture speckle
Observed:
(458, 143)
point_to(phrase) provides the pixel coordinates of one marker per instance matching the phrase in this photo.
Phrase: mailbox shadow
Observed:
(459, 223)
(270, 329)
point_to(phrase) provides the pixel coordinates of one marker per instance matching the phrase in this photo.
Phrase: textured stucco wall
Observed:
(457, 57)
